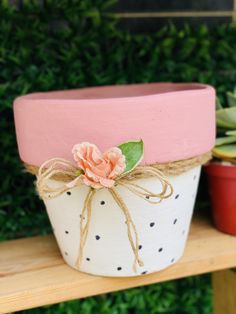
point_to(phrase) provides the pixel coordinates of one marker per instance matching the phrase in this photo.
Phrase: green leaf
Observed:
(133, 152)
(231, 98)
(226, 118)
(225, 151)
(79, 172)
(218, 104)
(225, 140)
(231, 132)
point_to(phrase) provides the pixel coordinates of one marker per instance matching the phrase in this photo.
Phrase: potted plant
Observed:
(222, 170)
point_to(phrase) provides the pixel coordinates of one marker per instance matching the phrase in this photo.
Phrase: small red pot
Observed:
(222, 187)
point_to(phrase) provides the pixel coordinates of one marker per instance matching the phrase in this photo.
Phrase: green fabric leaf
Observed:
(225, 151)
(225, 140)
(79, 172)
(226, 118)
(133, 152)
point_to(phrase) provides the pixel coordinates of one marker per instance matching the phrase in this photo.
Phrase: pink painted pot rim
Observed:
(175, 120)
(108, 93)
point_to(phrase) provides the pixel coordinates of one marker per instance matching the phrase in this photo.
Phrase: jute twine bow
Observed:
(58, 167)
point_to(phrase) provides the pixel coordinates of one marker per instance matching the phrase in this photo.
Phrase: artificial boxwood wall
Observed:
(70, 44)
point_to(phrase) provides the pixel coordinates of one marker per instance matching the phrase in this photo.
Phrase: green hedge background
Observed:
(70, 44)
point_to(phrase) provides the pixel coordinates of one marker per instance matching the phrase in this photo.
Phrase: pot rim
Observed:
(221, 169)
(166, 116)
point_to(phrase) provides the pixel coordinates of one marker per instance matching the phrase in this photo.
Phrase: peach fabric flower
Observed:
(100, 170)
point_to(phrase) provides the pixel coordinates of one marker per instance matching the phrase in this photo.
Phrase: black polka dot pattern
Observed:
(159, 252)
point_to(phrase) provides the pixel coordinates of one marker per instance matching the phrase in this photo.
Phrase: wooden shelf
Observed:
(32, 272)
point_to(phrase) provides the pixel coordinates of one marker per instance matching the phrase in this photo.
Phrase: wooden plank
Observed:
(22, 255)
(34, 274)
(224, 292)
(174, 14)
(163, 5)
(234, 15)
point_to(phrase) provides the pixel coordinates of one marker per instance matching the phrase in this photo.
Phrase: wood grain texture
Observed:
(224, 292)
(234, 10)
(34, 274)
(174, 14)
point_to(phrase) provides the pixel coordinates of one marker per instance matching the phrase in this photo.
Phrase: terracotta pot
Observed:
(167, 118)
(222, 187)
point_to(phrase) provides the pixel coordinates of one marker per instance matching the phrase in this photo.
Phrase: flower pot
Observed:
(222, 188)
(167, 118)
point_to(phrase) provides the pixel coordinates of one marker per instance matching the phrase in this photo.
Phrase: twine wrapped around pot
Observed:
(65, 171)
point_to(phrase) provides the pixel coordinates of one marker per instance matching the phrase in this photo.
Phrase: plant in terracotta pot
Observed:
(222, 171)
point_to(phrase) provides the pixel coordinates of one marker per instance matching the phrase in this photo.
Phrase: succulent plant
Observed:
(225, 146)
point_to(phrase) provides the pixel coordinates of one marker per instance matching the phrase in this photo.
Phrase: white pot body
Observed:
(162, 228)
